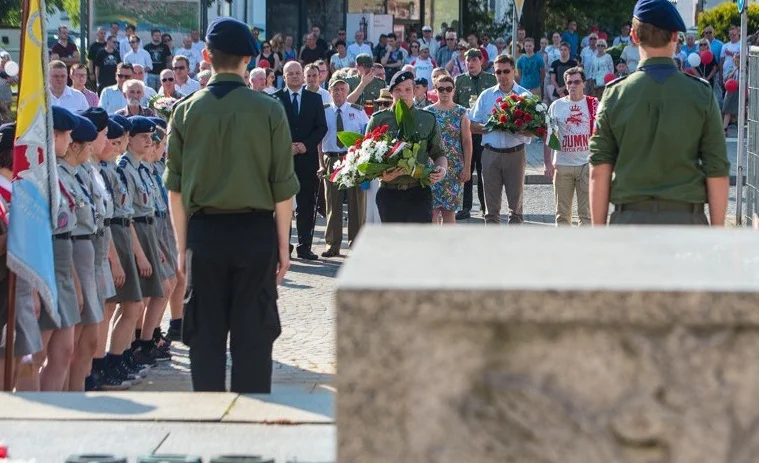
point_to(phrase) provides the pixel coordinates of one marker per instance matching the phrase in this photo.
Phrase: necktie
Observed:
(295, 103)
(340, 127)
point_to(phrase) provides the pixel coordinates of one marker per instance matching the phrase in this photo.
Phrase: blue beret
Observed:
(230, 36)
(85, 131)
(659, 13)
(400, 77)
(159, 122)
(97, 116)
(122, 121)
(115, 130)
(141, 124)
(63, 119)
(7, 135)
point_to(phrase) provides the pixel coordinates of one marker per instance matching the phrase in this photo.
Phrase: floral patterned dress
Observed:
(448, 193)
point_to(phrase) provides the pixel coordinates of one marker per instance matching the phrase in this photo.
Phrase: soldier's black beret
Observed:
(231, 36)
(659, 13)
(63, 119)
(400, 77)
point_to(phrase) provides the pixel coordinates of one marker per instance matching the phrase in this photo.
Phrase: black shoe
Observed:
(143, 358)
(92, 383)
(110, 382)
(142, 370)
(126, 373)
(160, 354)
(331, 253)
(307, 255)
(174, 334)
(291, 249)
(463, 215)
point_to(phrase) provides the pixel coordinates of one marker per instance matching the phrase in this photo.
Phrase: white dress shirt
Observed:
(141, 56)
(112, 99)
(190, 86)
(71, 99)
(191, 54)
(355, 49)
(354, 120)
(326, 97)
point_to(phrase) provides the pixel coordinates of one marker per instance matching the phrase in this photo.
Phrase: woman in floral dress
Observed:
(447, 194)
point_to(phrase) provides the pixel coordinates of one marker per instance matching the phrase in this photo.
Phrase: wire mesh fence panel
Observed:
(752, 151)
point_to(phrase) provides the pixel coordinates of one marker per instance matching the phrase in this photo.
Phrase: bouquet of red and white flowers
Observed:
(163, 106)
(378, 152)
(522, 114)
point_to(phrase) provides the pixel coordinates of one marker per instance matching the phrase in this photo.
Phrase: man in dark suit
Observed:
(305, 113)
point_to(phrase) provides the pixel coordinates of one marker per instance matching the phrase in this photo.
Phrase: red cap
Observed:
(3, 451)
(263, 64)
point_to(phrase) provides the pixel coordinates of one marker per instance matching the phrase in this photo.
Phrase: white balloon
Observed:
(11, 68)
(694, 60)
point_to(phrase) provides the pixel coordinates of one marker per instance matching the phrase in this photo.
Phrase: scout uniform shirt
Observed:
(428, 132)
(241, 154)
(468, 86)
(142, 194)
(633, 132)
(66, 220)
(116, 181)
(98, 194)
(105, 190)
(84, 208)
(160, 197)
(371, 92)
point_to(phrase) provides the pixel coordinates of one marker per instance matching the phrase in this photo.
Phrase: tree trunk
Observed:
(533, 17)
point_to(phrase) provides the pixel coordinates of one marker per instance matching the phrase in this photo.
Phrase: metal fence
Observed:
(752, 151)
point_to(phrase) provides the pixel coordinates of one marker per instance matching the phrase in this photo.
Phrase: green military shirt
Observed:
(232, 152)
(468, 85)
(661, 130)
(371, 92)
(429, 134)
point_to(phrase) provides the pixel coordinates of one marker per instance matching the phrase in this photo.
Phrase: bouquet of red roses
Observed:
(522, 114)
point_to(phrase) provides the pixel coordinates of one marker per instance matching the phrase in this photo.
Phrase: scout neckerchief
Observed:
(87, 193)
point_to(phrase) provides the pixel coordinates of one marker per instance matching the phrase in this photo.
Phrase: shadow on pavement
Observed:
(106, 405)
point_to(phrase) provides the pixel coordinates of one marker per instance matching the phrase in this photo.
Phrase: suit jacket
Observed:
(309, 126)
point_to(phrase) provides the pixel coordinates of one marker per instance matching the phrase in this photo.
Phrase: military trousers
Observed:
(333, 236)
(476, 166)
(231, 291)
(658, 212)
(569, 181)
(413, 205)
(503, 172)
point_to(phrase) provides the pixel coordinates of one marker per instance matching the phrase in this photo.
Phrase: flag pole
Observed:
(10, 327)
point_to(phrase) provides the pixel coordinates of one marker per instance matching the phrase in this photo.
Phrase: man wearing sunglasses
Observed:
(138, 55)
(469, 86)
(112, 97)
(503, 156)
(168, 86)
(185, 84)
(658, 178)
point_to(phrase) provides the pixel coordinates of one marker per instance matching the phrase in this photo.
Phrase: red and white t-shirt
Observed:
(574, 121)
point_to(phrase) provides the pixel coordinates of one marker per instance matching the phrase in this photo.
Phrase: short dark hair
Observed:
(575, 70)
(391, 36)
(565, 44)
(153, 31)
(340, 42)
(129, 26)
(223, 60)
(123, 65)
(6, 158)
(504, 59)
(383, 36)
(114, 24)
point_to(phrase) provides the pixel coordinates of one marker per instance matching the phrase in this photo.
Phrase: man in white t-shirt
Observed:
(729, 49)
(571, 121)
(423, 65)
(359, 46)
(138, 55)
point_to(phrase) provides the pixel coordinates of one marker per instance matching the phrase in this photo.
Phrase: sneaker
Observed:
(111, 382)
(141, 369)
(124, 373)
(174, 334)
(131, 368)
(160, 354)
(143, 358)
(92, 383)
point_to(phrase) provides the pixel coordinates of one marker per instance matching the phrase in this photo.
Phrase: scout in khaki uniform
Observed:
(468, 88)
(364, 88)
(341, 116)
(650, 176)
(401, 198)
(230, 195)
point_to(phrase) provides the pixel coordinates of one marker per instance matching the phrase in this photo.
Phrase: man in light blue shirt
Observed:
(503, 159)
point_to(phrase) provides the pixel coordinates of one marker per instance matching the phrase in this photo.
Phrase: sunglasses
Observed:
(168, 79)
(123, 76)
(703, 45)
(134, 41)
(341, 33)
(601, 46)
(383, 104)
(498, 72)
(179, 68)
(450, 40)
(444, 89)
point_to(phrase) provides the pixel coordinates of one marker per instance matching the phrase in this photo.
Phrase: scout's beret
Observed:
(85, 131)
(421, 81)
(159, 122)
(97, 116)
(122, 121)
(400, 77)
(659, 13)
(63, 119)
(7, 135)
(473, 53)
(231, 36)
(140, 125)
(364, 59)
(115, 130)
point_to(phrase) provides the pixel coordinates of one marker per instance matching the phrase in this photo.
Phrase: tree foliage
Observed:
(10, 11)
(543, 17)
(724, 16)
(476, 18)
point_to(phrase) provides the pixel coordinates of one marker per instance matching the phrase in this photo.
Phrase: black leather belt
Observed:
(82, 237)
(106, 222)
(147, 219)
(513, 149)
(399, 186)
(335, 155)
(123, 221)
(660, 205)
(63, 236)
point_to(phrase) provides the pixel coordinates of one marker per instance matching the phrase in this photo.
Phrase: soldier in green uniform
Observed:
(231, 181)
(637, 162)
(401, 198)
(367, 87)
(467, 88)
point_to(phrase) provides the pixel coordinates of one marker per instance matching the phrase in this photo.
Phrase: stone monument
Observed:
(541, 345)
